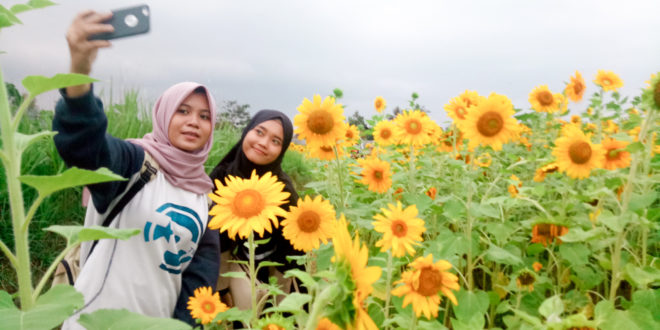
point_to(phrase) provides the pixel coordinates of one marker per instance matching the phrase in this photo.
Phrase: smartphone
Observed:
(127, 22)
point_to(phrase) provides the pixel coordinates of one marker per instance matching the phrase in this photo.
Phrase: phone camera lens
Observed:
(131, 20)
(145, 11)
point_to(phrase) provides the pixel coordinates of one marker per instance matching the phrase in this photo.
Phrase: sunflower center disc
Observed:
(349, 134)
(414, 126)
(490, 123)
(399, 228)
(577, 88)
(607, 82)
(378, 175)
(378, 104)
(656, 94)
(320, 122)
(580, 152)
(208, 307)
(545, 98)
(544, 230)
(526, 279)
(612, 154)
(309, 221)
(326, 148)
(248, 203)
(430, 282)
(385, 134)
(461, 112)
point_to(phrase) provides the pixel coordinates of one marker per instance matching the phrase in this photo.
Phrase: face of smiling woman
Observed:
(263, 144)
(190, 126)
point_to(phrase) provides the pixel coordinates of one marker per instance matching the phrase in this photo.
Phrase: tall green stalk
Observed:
(388, 284)
(340, 177)
(253, 275)
(12, 163)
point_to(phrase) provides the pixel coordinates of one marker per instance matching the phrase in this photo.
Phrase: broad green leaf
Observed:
(233, 314)
(614, 222)
(641, 202)
(79, 234)
(471, 305)
(72, 177)
(6, 302)
(552, 308)
(454, 209)
(19, 8)
(40, 3)
(23, 141)
(269, 264)
(121, 319)
(641, 277)
(586, 277)
(293, 303)
(7, 17)
(477, 322)
(577, 254)
(580, 235)
(500, 255)
(649, 299)
(635, 147)
(306, 279)
(485, 210)
(50, 310)
(5, 21)
(234, 274)
(36, 85)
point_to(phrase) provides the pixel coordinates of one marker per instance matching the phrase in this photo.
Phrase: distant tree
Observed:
(15, 97)
(234, 113)
(357, 120)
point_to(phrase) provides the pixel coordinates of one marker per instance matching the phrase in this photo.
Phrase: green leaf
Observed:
(233, 314)
(19, 8)
(485, 210)
(234, 274)
(454, 209)
(635, 147)
(613, 222)
(471, 305)
(37, 4)
(36, 85)
(269, 264)
(114, 319)
(641, 277)
(293, 303)
(476, 322)
(50, 310)
(552, 308)
(579, 235)
(304, 277)
(6, 302)
(79, 234)
(72, 177)
(500, 255)
(649, 299)
(23, 141)
(7, 18)
(641, 202)
(576, 254)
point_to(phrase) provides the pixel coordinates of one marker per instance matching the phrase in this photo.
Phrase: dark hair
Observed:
(199, 90)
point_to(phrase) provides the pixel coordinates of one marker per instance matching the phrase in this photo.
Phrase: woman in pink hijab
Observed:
(154, 272)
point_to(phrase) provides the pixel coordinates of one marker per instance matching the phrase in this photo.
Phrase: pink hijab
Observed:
(181, 168)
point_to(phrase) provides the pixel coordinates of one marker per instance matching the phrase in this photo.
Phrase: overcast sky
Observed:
(272, 54)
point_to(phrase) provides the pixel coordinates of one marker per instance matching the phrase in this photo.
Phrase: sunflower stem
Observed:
(341, 179)
(388, 284)
(413, 324)
(321, 302)
(599, 122)
(253, 275)
(411, 179)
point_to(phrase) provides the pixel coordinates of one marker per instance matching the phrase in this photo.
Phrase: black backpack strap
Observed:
(147, 173)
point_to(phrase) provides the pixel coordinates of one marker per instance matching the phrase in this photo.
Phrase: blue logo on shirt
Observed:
(182, 217)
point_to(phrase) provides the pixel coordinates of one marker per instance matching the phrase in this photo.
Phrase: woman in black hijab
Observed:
(262, 146)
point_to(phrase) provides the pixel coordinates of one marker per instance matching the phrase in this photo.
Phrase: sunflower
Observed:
(324, 152)
(543, 100)
(320, 121)
(384, 133)
(484, 160)
(471, 98)
(352, 135)
(457, 108)
(413, 128)
(375, 174)
(537, 266)
(380, 104)
(575, 119)
(575, 89)
(205, 305)
(246, 205)
(651, 95)
(431, 193)
(608, 80)
(615, 154)
(525, 280)
(350, 252)
(540, 174)
(513, 191)
(576, 155)
(423, 284)
(326, 324)
(311, 221)
(401, 229)
(545, 233)
(490, 123)
(446, 141)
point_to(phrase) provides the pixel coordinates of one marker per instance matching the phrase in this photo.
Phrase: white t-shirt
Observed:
(143, 273)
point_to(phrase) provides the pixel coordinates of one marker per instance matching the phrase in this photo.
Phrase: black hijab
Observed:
(237, 164)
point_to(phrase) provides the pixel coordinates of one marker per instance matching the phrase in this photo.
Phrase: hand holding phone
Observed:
(126, 22)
